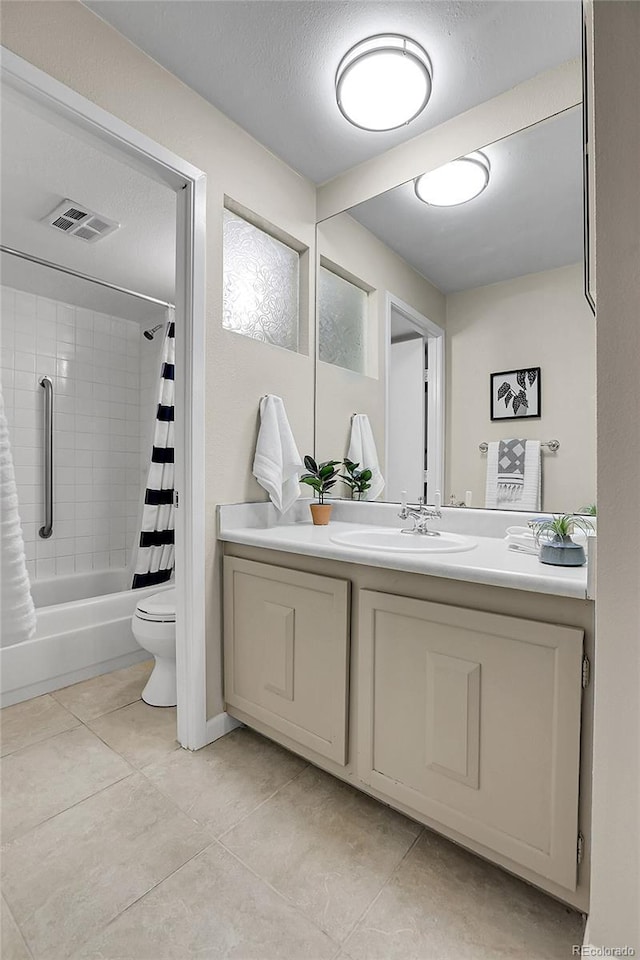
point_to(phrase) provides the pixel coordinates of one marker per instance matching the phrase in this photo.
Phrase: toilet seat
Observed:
(158, 608)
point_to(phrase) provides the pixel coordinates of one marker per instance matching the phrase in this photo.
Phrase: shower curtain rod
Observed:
(83, 276)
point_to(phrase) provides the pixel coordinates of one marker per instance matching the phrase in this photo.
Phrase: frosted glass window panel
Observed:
(261, 284)
(343, 322)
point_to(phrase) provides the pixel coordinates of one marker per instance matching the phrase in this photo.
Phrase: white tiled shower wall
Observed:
(102, 414)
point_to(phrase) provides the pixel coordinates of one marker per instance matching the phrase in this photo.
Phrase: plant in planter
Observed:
(322, 477)
(554, 537)
(357, 480)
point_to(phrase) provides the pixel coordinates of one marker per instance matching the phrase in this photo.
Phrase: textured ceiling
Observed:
(42, 165)
(528, 219)
(270, 64)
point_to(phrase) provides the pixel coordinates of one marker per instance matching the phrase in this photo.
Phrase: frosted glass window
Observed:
(261, 284)
(342, 308)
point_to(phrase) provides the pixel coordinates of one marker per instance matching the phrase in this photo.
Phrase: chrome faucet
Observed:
(420, 516)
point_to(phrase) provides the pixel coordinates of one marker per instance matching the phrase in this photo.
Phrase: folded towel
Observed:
(16, 605)
(362, 450)
(522, 539)
(524, 548)
(513, 475)
(277, 462)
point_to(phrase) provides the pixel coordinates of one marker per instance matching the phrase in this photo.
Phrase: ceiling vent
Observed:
(76, 220)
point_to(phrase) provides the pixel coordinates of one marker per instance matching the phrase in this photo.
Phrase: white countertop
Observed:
(490, 562)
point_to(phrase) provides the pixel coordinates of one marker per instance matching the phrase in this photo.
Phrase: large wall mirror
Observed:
(455, 327)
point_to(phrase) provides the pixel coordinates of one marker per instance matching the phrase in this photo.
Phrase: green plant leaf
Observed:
(560, 525)
(327, 470)
(310, 464)
(312, 482)
(366, 474)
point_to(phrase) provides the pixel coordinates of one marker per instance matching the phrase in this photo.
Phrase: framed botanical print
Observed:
(515, 394)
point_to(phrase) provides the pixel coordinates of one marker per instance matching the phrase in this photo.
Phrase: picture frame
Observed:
(516, 394)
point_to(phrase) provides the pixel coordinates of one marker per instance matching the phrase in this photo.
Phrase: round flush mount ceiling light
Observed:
(455, 182)
(384, 82)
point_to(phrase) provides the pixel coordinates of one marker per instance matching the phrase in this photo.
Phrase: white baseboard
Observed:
(220, 726)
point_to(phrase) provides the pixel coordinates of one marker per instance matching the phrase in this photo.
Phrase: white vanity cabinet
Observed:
(458, 704)
(473, 719)
(286, 652)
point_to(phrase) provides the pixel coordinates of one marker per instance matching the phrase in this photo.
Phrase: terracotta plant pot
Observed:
(321, 513)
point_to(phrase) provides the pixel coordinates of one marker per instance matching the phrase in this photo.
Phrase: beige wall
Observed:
(615, 894)
(113, 73)
(348, 244)
(540, 320)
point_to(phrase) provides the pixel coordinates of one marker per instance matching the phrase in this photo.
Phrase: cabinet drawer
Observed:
(286, 646)
(473, 720)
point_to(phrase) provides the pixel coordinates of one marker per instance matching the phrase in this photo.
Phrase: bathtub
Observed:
(83, 629)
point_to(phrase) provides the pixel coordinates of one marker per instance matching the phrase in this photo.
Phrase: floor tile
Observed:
(445, 903)
(32, 721)
(212, 908)
(140, 733)
(325, 846)
(69, 877)
(41, 781)
(12, 945)
(222, 783)
(92, 698)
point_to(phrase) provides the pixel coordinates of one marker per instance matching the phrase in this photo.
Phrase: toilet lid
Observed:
(159, 606)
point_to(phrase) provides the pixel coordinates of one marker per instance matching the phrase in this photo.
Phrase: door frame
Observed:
(189, 183)
(435, 337)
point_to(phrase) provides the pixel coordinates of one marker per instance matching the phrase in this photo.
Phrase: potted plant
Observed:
(357, 480)
(322, 477)
(554, 537)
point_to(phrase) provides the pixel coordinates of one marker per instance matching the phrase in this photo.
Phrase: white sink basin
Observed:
(386, 539)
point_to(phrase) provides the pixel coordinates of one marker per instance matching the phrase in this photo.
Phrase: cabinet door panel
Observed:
(473, 719)
(286, 652)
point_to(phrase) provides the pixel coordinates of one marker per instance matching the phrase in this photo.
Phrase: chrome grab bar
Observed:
(46, 530)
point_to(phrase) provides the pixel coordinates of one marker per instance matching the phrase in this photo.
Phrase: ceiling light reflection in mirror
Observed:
(383, 83)
(454, 183)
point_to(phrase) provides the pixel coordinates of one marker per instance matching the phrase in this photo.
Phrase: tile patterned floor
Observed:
(118, 845)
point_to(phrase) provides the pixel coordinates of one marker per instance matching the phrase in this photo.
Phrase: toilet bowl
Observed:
(154, 627)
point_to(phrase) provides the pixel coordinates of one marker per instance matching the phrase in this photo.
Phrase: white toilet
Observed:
(154, 627)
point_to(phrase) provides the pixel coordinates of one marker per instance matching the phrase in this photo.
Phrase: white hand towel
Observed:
(529, 496)
(522, 540)
(362, 450)
(18, 613)
(277, 462)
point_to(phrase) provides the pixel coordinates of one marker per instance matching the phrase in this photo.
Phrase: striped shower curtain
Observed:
(156, 550)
